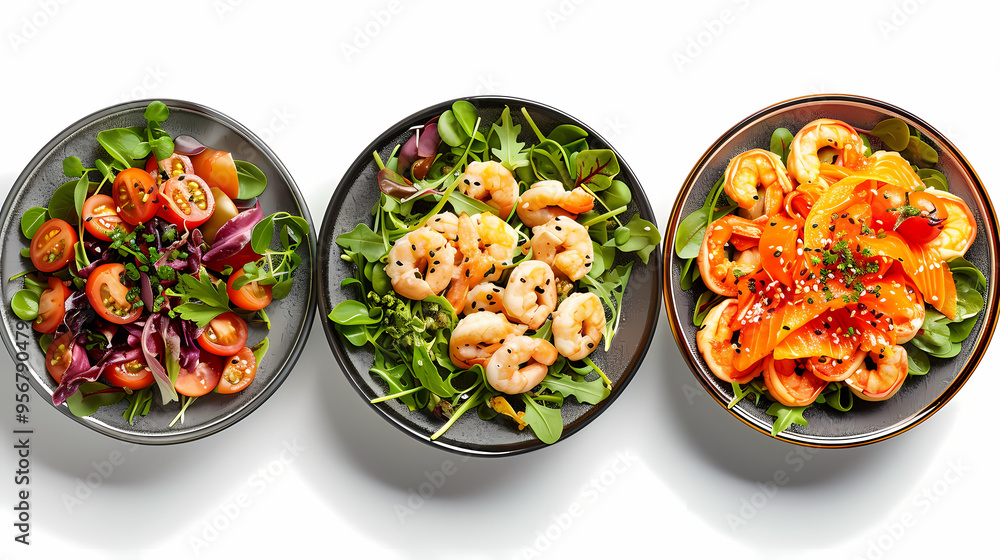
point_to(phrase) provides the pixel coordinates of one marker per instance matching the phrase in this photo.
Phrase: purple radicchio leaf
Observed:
(234, 235)
(188, 146)
(151, 349)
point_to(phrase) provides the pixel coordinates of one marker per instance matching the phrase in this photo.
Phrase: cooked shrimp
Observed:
(906, 321)
(474, 264)
(715, 343)
(446, 224)
(719, 273)
(492, 183)
(578, 325)
(504, 371)
(804, 156)
(749, 175)
(497, 239)
(476, 337)
(959, 228)
(531, 293)
(420, 264)
(484, 297)
(548, 199)
(564, 245)
(835, 369)
(882, 377)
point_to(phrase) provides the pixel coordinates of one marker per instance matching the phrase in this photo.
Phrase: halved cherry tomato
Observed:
(225, 210)
(108, 295)
(790, 383)
(100, 218)
(927, 225)
(153, 167)
(133, 374)
(134, 194)
(59, 356)
(239, 372)
(52, 245)
(224, 335)
(203, 379)
(177, 164)
(887, 198)
(219, 170)
(186, 199)
(251, 296)
(51, 307)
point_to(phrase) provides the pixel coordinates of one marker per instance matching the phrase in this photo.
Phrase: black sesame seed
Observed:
(399, 263)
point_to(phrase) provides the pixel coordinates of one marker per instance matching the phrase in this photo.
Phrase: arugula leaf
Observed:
(785, 416)
(511, 152)
(138, 404)
(546, 422)
(589, 392)
(363, 240)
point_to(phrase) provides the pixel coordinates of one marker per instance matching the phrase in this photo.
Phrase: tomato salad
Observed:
(150, 276)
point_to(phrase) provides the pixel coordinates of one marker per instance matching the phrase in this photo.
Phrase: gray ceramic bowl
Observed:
(290, 318)
(919, 397)
(352, 202)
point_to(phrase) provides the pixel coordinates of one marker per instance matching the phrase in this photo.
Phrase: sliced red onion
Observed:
(146, 291)
(188, 146)
(151, 352)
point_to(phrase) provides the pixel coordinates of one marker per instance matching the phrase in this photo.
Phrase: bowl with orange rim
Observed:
(764, 376)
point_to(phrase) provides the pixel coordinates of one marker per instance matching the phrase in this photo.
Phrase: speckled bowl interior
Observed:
(920, 396)
(290, 317)
(352, 203)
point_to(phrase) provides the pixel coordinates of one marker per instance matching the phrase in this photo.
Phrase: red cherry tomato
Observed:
(219, 170)
(134, 194)
(51, 307)
(176, 165)
(203, 379)
(239, 372)
(59, 356)
(224, 335)
(887, 198)
(252, 296)
(100, 218)
(52, 245)
(133, 374)
(927, 225)
(186, 199)
(109, 296)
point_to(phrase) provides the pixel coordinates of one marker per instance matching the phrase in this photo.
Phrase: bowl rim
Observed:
(992, 299)
(222, 422)
(343, 187)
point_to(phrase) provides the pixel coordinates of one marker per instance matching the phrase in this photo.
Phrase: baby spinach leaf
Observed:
(919, 153)
(25, 305)
(933, 179)
(156, 111)
(80, 193)
(589, 392)
(62, 205)
(970, 301)
(934, 336)
(689, 274)
(545, 422)
(91, 396)
(73, 167)
(595, 169)
(960, 330)
(643, 238)
(32, 219)
(466, 114)
(252, 180)
(357, 335)
(785, 416)
(124, 144)
(566, 134)
(451, 130)
(894, 133)
(959, 265)
(351, 312)
(919, 363)
(781, 140)
(706, 301)
(262, 234)
(363, 240)
(691, 233)
(617, 195)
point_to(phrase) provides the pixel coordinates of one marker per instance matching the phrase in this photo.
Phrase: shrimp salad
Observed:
(493, 270)
(159, 283)
(833, 268)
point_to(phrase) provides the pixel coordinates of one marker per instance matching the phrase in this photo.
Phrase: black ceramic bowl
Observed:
(290, 317)
(352, 203)
(920, 396)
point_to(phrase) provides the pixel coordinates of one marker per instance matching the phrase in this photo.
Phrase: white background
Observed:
(665, 471)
